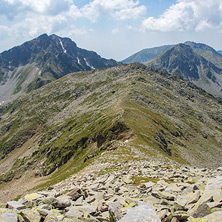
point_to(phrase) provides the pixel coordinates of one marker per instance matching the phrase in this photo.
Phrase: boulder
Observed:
(30, 215)
(62, 202)
(54, 216)
(33, 197)
(214, 187)
(8, 215)
(189, 198)
(214, 217)
(201, 211)
(15, 205)
(140, 213)
(74, 212)
(75, 193)
(114, 212)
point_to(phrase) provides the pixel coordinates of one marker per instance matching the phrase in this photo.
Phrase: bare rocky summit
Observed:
(42, 60)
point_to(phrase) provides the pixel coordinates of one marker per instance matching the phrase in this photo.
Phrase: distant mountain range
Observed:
(146, 55)
(194, 62)
(42, 60)
(220, 51)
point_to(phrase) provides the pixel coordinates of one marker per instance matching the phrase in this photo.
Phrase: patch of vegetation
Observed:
(137, 180)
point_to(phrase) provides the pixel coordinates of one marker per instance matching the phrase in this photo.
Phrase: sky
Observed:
(112, 28)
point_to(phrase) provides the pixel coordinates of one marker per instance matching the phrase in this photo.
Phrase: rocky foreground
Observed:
(135, 191)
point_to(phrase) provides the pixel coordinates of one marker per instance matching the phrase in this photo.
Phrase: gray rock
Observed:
(54, 216)
(163, 214)
(140, 213)
(174, 219)
(180, 215)
(201, 211)
(15, 205)
(213, 217)
(189, 198)
(30, 215)
(214, 187)
(51, 201)
(114, 212)
(62, 202)
(74, 212)
(8, 215)
(75, 193)
(33, 197)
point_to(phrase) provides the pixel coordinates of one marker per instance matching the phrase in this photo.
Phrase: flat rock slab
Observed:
(30, 215)
(33, 196)
(214, 187)
(141, 213)
(8, 215)
(214, 217)
(15, 205)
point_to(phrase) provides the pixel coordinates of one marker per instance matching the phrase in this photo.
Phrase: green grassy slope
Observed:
(65, 125)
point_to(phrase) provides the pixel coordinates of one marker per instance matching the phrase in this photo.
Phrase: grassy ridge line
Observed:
(83, 114)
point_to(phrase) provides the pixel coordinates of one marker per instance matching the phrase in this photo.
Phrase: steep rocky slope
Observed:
(128, 111)
(42, 60)
(146, 55)
(194, 62)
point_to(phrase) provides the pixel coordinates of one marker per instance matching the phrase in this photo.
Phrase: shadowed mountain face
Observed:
(194, 62)
(146, 55)
(42, 60)
(220, 52)
(127, 112)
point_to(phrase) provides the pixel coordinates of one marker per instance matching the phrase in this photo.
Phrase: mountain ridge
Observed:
(42, 60)
(145, 55)
(220, 52)
(128, 110)
(194, 62)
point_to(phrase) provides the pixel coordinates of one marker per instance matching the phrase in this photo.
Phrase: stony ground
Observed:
(135, 191)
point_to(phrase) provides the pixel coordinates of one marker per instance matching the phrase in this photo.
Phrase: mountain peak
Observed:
(195, 62)
(42, 60)
(201, 46)
(43, 36)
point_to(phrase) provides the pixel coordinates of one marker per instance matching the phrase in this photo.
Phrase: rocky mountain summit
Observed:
(148, 191)
(43, 60)
(194, 62)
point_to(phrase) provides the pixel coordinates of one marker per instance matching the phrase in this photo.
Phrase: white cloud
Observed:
(12, 8)
(130, 13)
(114, 31)
(119, 9)
(187, 15)
(3, 31)
(29, 18)
(71, 31)
(31, 27)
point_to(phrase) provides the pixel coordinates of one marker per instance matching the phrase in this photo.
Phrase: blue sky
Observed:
(113, 28)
